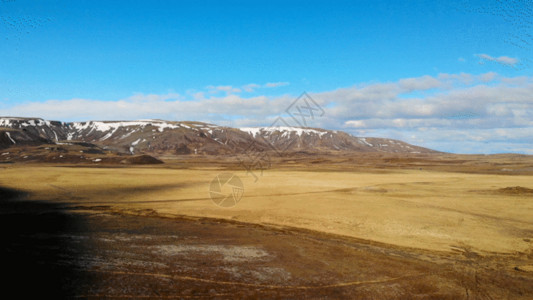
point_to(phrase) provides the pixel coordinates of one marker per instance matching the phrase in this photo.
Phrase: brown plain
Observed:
(453, 207)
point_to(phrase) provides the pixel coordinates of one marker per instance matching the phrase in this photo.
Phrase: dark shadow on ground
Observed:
(34, 246)
(51, 252)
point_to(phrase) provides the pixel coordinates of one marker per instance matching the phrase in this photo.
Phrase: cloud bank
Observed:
(462, 113)
(504, 60)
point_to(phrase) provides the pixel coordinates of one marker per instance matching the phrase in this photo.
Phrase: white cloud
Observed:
(228, 89)
(355, 123)
(250, 87)
(504, 60)
(275, 84)
(488, 77)
(451, 112)
(450, 79)
(420, 83)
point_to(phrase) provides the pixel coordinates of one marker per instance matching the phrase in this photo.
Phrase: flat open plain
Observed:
(368, 227)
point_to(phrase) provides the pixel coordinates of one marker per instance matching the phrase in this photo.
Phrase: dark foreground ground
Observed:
(48, 250)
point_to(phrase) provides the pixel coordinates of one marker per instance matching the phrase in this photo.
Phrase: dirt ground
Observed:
(353, 227)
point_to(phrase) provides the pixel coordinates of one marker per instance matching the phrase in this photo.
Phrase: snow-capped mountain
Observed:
(35, 128)
(309, 139)
(160, 137)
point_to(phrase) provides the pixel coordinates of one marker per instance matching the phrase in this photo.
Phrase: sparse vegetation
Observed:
(439, 237)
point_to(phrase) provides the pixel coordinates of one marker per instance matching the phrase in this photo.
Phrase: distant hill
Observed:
(158, 137)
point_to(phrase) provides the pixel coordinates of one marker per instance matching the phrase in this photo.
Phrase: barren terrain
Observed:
(433, 226)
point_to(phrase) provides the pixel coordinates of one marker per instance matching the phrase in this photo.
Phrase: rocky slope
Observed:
(157, 137)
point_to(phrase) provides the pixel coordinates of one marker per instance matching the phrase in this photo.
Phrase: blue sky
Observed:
(240, 63)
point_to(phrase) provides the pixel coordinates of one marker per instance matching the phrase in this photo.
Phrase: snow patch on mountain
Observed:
(365, 142)
(9, 136)
(113, 125)
(136, 142)
(254, 131)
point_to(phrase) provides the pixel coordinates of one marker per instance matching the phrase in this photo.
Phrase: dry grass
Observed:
(341, 227)
(424, 209)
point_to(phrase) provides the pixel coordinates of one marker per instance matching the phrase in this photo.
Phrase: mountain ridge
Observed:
(160, 137)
